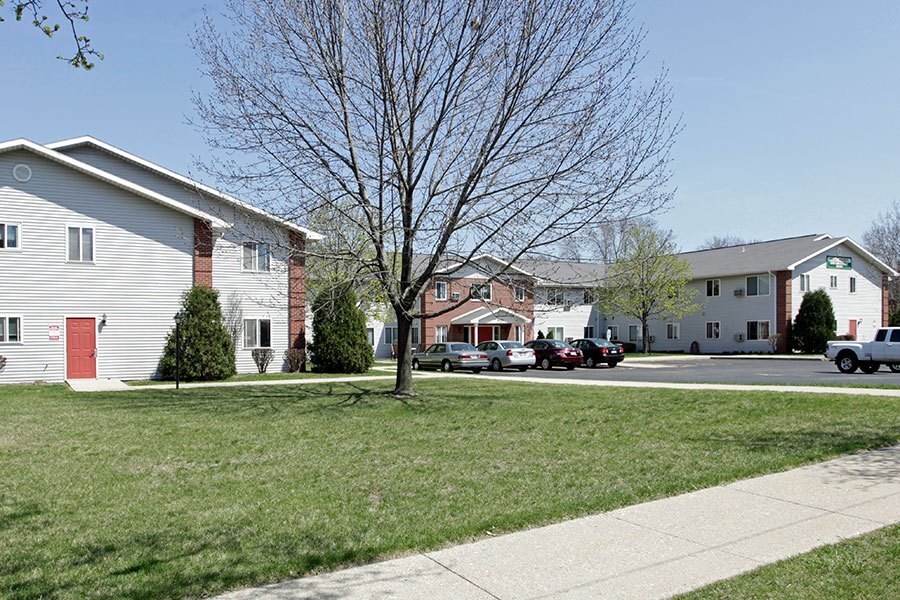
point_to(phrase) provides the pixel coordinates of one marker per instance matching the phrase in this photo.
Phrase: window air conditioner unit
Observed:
(739, 293)
(739, 337)
(454, 296)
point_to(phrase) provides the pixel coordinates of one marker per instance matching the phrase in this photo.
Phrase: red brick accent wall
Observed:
(502, 294)
(783, 309)
(885, 302)
(203, 249)
(297, 292)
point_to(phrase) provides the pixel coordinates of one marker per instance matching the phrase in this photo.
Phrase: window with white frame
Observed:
(673, 331)
(370, 335)
(440, 333)
(520, 333)
(10, 330)
(9, 236)
(834, 282)
(556, 296)
(81, 244)
(390, 335)
(757, 330)
(713, 287)
(804, 283)
(440, 290)
(713, 330)
(589, 331)
(256, 256)
(613, 332)
(257, 333)
(520, 294)
(758, 285)
(557, 333)
(482, 291)
(634, 333)
(853, 285)
(415, 336)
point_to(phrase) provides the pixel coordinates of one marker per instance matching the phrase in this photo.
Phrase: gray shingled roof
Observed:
(744, 259)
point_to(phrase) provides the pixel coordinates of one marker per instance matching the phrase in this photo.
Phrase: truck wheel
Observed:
(869, 367)
(847, 363)
(894, 368)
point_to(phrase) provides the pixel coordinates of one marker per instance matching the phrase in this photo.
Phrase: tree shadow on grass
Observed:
(802, 442)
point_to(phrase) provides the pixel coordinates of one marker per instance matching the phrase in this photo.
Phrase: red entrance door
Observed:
(81, 344)
(485, 333)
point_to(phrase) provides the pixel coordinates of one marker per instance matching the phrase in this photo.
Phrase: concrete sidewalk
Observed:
(652, 550)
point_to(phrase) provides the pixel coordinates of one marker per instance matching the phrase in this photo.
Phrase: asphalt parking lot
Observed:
(717, 370)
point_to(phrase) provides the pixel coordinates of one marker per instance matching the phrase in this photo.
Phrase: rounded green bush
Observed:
(815, 323)
(340, 344)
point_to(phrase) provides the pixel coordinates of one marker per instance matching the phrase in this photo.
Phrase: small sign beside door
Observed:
(53, 333)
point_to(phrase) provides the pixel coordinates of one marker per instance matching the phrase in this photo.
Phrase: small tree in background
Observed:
(815, 323)
(550, 335)
(340, 344)
(207, 350)
(540, 335)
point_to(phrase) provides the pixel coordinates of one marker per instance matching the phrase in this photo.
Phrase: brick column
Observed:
(297, 292)
(203, 249)
(885, 302)
(783, 309)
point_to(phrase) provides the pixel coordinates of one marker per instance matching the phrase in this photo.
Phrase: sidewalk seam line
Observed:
(463, 577)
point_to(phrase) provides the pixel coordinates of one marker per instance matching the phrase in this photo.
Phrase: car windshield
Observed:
(557, 344)
(460, 347)
(603, 343)
(508, 345)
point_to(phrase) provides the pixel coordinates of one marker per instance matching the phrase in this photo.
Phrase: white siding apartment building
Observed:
(97, 247)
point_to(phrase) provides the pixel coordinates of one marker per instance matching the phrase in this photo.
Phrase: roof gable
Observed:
(63, 145)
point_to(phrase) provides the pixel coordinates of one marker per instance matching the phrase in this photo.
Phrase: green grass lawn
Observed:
(271, 376)
(170, 494)
(864, 567)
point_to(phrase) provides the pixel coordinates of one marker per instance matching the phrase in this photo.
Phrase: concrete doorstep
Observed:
(652, 550)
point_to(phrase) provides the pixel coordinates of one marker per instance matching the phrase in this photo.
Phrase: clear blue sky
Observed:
(791, 110)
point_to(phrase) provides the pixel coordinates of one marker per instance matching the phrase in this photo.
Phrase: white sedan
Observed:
(502, 354)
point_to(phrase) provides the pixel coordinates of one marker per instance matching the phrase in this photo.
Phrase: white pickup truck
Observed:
(867, 356)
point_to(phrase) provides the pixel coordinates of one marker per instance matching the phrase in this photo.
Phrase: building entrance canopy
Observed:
(490, 315)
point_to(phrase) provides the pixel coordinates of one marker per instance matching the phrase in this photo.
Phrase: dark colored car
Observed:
(597, 351)
(550, 353)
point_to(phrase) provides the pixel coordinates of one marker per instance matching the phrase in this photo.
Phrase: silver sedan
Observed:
(502, 354)
(448, 356)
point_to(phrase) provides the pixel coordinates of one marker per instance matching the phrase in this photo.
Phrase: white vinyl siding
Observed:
(146, 251)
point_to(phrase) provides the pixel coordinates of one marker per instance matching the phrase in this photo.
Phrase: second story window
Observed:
(556, 296)
(9, 236)
(712, 287)
(758, 285)
(256, 256)
(482, 291)
(520, 294)
(81, 244)
(440, 290)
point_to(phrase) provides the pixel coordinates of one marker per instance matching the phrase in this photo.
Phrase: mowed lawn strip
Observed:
(864, 567)
(173, 494)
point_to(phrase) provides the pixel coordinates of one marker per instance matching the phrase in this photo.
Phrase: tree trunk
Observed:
(646, 334)
(403, 385)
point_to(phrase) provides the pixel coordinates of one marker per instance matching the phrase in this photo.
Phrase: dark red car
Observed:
(550, 353)
(598, 351)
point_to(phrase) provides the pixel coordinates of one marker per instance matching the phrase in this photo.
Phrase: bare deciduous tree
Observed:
(882, 238)
(724, 241)
(72, 11)
(438, 129)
